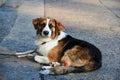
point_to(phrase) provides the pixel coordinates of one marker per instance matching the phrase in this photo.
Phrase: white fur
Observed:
(46, 28)
(41, 59)
(55, 64)
(42, 39)
(62, 35)
(46, 67)
(46, 72)
(45, 48)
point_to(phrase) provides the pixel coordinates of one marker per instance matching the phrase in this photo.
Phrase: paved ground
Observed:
(96, 21)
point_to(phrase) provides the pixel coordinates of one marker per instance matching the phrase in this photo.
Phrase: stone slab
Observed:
(7, 20)
(22, 35)
(12, 68)
(113, 6)
(2, 2)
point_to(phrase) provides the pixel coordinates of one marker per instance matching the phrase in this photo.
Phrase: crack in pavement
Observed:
(101, 2)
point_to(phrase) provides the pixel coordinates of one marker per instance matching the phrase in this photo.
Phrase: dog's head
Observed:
(47, 27)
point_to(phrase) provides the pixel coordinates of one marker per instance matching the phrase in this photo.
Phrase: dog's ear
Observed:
(59, 25)
(36, 22)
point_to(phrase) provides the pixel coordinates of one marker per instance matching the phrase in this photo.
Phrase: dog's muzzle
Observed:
(46, 33)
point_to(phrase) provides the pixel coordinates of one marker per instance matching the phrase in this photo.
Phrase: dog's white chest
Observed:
(45, 48)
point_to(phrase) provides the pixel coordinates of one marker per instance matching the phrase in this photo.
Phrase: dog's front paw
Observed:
(54, 64)
(46, 67)
(46, 70)
(49, 69)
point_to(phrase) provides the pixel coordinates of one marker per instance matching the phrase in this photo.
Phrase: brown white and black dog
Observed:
(67, 54)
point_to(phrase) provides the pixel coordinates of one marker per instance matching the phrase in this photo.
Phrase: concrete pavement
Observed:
(96, 21)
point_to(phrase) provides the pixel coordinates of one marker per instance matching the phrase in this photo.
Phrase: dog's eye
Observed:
(43, 24)
(50, 25)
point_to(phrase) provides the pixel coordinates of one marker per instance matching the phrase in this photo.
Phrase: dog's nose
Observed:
(45, 32)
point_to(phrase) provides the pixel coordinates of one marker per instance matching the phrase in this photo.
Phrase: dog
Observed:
(64, 53)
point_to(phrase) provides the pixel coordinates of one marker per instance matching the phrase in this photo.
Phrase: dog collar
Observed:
(43, 43)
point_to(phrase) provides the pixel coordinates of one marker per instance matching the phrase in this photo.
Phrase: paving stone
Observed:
(12, 68)
(22, 34)
(2, 2)
(113, 6)
(13, 3)
(20, 37)
(7, 20)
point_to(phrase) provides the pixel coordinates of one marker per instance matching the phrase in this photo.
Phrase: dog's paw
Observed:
(46, 70)
(49, 69)
(46, 67)
(54, 64)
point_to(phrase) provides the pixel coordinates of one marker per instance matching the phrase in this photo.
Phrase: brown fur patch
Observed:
(90, 66)
(53, 28)
(77, 56)
(55, 53)
(39, 23)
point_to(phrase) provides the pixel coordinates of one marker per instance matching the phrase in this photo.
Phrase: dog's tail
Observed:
(59, 70)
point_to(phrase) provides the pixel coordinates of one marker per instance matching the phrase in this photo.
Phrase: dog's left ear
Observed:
(59, 25)
(35, 22)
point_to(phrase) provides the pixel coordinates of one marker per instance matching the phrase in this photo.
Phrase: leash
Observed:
(19, 55)
(8, 54)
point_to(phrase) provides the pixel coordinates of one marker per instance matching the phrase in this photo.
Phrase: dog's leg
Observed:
(41, 59)
(54, 64)
(48, 69)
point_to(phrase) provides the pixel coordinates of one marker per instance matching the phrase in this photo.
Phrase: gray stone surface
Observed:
(7, 20)
(17, 34)
(96, 21)
(12, 68)
(113, 6)
(2, 2)
(22, 35)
